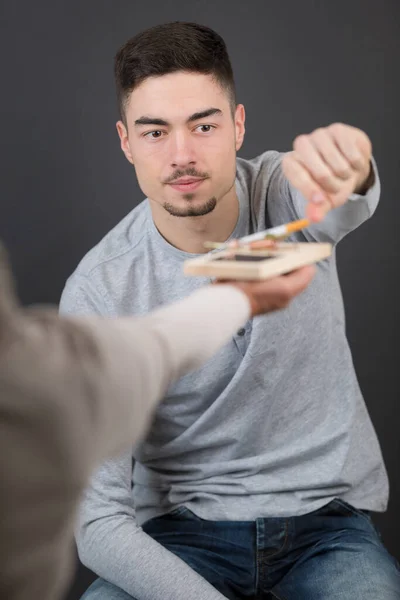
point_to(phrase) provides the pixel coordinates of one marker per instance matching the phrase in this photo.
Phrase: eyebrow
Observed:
(204, 114)
(194, 117)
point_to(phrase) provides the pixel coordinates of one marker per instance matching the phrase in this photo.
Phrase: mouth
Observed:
(186, 184)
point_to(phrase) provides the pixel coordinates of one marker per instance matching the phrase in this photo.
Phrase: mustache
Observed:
(190, 172)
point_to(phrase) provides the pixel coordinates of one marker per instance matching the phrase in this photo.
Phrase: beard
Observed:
(191, 211)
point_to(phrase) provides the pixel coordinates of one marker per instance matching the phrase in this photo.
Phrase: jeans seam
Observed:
(284, 543)
(354, 511)
(258, 559)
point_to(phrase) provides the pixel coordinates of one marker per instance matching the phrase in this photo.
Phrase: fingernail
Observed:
(318, 198)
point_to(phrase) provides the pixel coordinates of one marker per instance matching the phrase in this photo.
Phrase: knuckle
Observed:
(303, 179)
(337, 127)
(319, 133)
(287, 160)
(300, 141)
(356, 160)
(368, 143)
(324, 178)
(365, 141)
(344, 172)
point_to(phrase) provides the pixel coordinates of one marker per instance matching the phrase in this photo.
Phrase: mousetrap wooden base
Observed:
(257, 264)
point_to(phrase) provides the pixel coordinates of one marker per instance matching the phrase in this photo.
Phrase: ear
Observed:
(123, 136)
(240, 118)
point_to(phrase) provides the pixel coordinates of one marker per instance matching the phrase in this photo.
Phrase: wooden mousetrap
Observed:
(256, 264)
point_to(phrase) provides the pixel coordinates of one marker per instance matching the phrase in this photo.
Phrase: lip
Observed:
(186, 185)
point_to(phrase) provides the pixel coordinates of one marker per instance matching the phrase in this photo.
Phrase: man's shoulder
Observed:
(118, 245)
(260, 185)
(101, 274)
(261, 166)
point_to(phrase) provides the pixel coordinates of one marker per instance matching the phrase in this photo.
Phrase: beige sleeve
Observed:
(74, 391)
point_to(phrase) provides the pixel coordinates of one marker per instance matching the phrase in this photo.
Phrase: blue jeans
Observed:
(334, 553)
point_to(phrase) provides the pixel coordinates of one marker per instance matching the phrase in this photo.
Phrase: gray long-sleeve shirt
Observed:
(74, 391)
(274, 425)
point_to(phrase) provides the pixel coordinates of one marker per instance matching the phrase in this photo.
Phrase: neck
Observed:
(190, 233)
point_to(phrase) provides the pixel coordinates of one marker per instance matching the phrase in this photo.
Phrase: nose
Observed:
(182, 152)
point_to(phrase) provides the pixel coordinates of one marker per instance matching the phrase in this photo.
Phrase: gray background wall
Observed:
(299, 65)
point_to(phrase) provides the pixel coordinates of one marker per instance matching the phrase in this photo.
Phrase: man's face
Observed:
(182, 139)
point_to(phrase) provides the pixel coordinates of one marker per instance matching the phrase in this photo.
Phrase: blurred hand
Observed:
(275, 293)
(328, 165)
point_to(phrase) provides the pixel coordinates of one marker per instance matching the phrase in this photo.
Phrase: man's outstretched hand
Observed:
(328, 165)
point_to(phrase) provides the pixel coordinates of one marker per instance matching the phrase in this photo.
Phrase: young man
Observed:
(74, 391)
(260, 469)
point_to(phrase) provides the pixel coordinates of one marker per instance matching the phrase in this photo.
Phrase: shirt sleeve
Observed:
(109, 540)
(73, 391)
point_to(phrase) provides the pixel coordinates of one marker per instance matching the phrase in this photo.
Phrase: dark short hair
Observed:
(169, 48)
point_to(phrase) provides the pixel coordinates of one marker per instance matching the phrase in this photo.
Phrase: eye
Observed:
(154, 135)
(205, 128)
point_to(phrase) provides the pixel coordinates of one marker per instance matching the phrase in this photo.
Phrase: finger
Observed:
(355, 148)
(331, 154)
(297, 280)
(276, 293)
(301, 179)
(316, 213)
(291, 282)
(309, 156)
